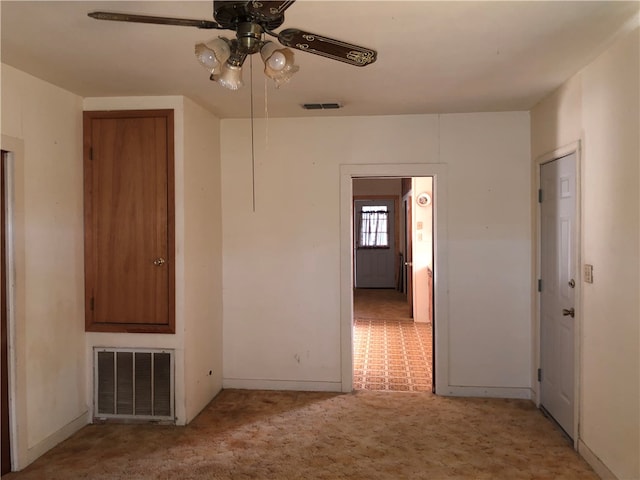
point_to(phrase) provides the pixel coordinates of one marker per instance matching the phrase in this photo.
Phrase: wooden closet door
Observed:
(129, 252)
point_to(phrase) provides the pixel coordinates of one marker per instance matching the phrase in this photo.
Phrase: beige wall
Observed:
(202, 257)
(48, 316)
(198, 316)
(489, 248)
(286, 254)
(51, 354)
(600, 108)
(422, 249)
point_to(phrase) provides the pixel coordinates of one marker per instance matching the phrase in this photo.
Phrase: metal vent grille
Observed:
(321, 106)
(133, 383)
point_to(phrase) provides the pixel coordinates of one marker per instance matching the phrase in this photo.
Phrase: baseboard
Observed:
(299, 385)
(489, 392)
(54, 439)
(592, 459)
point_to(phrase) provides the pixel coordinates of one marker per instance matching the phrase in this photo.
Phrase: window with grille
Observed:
(374, 227)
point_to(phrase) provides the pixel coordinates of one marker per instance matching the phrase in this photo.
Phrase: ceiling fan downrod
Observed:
(249, 35)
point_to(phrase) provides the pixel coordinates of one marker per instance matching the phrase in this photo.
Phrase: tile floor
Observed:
(391, 351)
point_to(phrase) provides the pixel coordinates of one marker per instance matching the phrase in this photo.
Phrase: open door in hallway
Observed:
(408, 248)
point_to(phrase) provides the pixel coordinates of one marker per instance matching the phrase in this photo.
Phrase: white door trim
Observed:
(440, 282)
(16, 335)
(560, 152)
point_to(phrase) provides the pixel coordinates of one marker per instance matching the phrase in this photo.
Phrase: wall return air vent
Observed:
(133, 384)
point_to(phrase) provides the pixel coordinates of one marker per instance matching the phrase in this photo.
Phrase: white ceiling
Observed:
(433, 57)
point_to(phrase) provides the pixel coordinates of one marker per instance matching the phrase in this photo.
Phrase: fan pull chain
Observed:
(266, 116)
(253, 153)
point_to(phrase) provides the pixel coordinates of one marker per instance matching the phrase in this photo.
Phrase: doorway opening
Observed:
(393, 252)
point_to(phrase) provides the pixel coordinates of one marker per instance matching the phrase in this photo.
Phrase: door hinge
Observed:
(539, 195)
(92, 303)
(539, 374)
(539, 285)
(90, 153)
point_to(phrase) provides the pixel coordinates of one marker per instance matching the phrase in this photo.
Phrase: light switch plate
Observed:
(588, 273)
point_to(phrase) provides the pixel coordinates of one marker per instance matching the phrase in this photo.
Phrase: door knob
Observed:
(408, 264)
(159, 261)
(568, 312)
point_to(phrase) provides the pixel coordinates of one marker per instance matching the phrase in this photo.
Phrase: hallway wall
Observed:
(287, 252)
(599, 107)
(45, 122)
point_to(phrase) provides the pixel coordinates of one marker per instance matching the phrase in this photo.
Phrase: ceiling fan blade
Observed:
(270, 9)
(127, 17)
(327, 47)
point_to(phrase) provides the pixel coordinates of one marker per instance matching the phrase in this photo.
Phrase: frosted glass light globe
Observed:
(213, 54)
(277, 61)
(230, 77)
(206, 56)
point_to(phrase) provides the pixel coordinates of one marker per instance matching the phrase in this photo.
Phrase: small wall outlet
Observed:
(588, 273)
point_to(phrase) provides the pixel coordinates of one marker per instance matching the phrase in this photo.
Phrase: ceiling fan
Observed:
(250, 20)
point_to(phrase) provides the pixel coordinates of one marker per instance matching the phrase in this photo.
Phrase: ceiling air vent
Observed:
(321, 106)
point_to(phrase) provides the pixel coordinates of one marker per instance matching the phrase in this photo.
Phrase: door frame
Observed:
(440, 282)
(4, 361)
(407, 211)
(16, 302)
(572, 148)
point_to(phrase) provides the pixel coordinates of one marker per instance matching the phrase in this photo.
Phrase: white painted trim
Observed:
(557, 153)
(54, 439)
(489, 392)
(291, 385)
(440, 281)
(574, 147)
(17, 351)
(592, 459)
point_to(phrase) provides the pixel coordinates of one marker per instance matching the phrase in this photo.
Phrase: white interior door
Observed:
(374, 237)
(558, 247)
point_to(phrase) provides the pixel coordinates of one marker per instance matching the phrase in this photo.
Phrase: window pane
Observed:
(374, 224)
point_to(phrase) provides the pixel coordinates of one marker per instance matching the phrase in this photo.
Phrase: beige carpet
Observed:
(288, 435)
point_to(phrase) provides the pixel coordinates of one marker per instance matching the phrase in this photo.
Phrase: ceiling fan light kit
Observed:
(251, 20)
